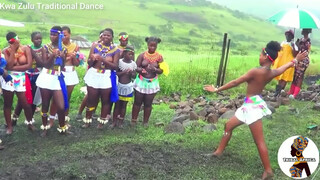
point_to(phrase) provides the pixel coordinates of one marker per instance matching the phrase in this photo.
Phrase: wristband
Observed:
(294, 61)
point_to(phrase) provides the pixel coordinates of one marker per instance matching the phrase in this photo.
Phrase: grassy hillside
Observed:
(180, 24)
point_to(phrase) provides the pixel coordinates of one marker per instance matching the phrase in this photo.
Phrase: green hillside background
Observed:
(191, 32)
(182, 25)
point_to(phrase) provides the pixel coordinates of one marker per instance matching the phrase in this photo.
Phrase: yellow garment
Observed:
(71, 47)
(165, 68)
(284, 56)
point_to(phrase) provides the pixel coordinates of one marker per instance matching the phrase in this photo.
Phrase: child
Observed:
(37, 52)
(126, 72)
(254, 108)
(123, 39)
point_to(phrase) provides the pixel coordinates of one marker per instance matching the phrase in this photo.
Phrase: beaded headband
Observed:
(123, 37)
(55, 31)
(12, 40)
(264, 50)
(128, 49)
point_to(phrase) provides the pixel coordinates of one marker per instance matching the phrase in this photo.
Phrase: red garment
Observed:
(28, 92)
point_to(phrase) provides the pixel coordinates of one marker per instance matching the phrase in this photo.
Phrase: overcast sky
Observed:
(266, 8)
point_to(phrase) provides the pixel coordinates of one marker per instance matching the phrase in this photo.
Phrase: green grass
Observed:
(149, 153)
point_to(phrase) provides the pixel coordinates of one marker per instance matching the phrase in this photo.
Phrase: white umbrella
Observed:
(4, 22)
(295, 18)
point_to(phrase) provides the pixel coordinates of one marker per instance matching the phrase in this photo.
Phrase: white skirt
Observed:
(70, 76)
(253, 109)
(48, 81)
(125, 89)
(98, 80)
(17, 84)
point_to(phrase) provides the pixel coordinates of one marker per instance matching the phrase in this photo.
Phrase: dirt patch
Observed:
(125, 161)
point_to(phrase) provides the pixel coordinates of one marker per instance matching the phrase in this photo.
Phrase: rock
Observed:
(285, 101)
(209, 128)
(193, 115)
(187, 123)
(172, 106)
(272, 109)
(177, 98)
(228, 114)
(203, 113)
(183, 104)
(273, 104)
(222, 110)
(316, 107)
(179, 111)
(211, 110)
(313, 87)
(180, 118)
(202, 103)
(175, 128)
(283, 93)
(264, 93)
(156, 102)
(213, 118)
(186, 110)
(191, 103)
(159, 124)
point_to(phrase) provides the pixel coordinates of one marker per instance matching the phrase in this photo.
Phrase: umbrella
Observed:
(295, 18)
(4, 22)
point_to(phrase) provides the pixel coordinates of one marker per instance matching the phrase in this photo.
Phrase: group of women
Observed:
(46, 74)
(288, 51)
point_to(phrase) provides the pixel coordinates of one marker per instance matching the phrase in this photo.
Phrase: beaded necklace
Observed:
(155, 57)
(19, 53)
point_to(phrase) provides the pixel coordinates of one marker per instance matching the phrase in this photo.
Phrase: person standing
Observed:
(287, 53)
(304, 44)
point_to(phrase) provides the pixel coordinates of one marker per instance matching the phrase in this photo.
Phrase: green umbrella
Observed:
(295, 18)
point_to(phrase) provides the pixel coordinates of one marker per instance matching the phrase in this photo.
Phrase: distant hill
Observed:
(182, 24)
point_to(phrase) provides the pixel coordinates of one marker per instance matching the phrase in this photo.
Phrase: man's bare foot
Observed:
(113, 125)
(9, 130)
(145, 125)
(214, 154)
(267, 175)
(85, 125)
(51, 122)
(100, 126)
(32, 127)
(44, 133)
(1, 147)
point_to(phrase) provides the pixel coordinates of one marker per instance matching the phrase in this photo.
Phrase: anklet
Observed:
(85, 120)
(29, 122)
(103, 120)
(63, 129)
(45, 127)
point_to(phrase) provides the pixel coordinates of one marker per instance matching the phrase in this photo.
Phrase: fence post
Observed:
(222, 58)
(225, 63)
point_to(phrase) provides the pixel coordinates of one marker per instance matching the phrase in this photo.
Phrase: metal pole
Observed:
(222, 58)
(225, 63)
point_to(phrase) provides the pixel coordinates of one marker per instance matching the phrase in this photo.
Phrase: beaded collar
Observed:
(155, 57)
